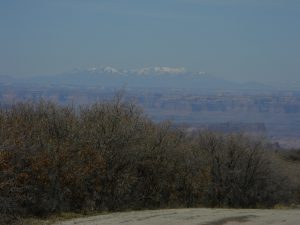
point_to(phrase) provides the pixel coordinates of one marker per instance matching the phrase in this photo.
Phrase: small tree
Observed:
(241, 173)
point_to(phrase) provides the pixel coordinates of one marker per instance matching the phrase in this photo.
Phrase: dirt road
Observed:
(194, 217)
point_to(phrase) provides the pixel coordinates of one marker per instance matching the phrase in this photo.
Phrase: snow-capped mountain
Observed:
(148, 77)
(151, 71)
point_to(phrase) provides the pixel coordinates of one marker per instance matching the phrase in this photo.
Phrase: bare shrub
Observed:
(241, 172)
(109, 156)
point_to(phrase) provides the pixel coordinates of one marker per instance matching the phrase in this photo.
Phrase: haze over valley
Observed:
(194, 100)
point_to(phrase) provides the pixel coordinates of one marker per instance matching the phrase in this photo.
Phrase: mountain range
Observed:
(150, 77)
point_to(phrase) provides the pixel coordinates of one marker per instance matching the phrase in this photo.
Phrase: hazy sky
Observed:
(244, 40)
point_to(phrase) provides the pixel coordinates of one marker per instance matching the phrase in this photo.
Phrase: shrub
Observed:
(109, 156)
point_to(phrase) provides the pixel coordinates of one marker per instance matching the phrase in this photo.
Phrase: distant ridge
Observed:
(148, 77)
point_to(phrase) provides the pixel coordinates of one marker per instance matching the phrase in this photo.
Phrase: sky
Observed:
(240, 40)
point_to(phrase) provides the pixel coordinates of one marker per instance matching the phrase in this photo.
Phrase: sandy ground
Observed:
(194, 217)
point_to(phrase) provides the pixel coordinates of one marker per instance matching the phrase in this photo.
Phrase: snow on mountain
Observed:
(148, 77)
(106, 69)
(157, 70)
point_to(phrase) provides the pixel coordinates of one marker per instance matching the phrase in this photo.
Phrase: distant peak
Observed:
(110, 69)
(105, 69)
(156, 70)
(160, 70)
(201, 73)
(169, 70)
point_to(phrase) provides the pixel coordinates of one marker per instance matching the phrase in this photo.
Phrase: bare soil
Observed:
(199, 216)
